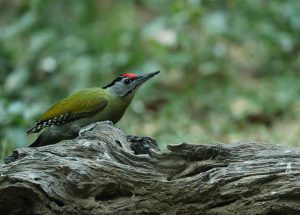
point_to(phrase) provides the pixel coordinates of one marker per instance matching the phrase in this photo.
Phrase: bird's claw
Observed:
(109, 122)
(91, 126)
(86, 128)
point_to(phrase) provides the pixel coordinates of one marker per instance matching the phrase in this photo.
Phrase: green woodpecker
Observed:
(65, 119)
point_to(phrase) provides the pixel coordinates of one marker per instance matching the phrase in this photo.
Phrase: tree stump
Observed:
(104, 171)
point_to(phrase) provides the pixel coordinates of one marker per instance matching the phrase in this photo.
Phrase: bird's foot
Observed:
(87, 128)
(108, 122)
(91, 126)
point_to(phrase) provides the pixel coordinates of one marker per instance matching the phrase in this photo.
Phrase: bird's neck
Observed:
(112, 92)
(124, 99)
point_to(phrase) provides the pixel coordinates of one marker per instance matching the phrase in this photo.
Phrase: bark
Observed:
(104, 171)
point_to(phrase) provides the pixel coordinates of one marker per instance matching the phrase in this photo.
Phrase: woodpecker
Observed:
(64, 119)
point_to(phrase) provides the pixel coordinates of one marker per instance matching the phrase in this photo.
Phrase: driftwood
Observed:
(103, 171)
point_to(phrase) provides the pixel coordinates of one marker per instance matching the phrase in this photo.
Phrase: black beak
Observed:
(144, 77)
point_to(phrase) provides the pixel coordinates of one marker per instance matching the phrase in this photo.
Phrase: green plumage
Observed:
(84, 107)
(84, 101)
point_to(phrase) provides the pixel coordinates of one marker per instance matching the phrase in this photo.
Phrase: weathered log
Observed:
(103, 171)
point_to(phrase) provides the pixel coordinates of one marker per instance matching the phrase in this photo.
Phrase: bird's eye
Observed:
(127, 81)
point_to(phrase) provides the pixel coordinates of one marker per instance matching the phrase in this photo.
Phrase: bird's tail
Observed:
(38, 142)
(44, 139)
(49, 138)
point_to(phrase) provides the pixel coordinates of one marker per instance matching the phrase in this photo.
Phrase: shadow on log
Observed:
(103, 171)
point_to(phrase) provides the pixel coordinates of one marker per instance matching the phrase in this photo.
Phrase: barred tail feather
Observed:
(39, 126)
(33, 130)
(57, 120)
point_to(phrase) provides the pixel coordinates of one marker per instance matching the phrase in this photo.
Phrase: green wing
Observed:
(83, 103)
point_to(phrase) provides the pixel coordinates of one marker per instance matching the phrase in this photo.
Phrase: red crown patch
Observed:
(129, 75)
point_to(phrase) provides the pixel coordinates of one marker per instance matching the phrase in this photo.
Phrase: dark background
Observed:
(229, 69)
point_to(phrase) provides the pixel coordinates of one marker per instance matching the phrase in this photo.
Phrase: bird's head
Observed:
(128, 83)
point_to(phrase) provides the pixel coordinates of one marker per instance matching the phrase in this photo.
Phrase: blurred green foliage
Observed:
(229, 68)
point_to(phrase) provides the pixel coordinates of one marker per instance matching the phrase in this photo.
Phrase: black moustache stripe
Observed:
(130, 91)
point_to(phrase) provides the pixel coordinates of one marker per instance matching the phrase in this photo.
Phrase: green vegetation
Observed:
(229, 68)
